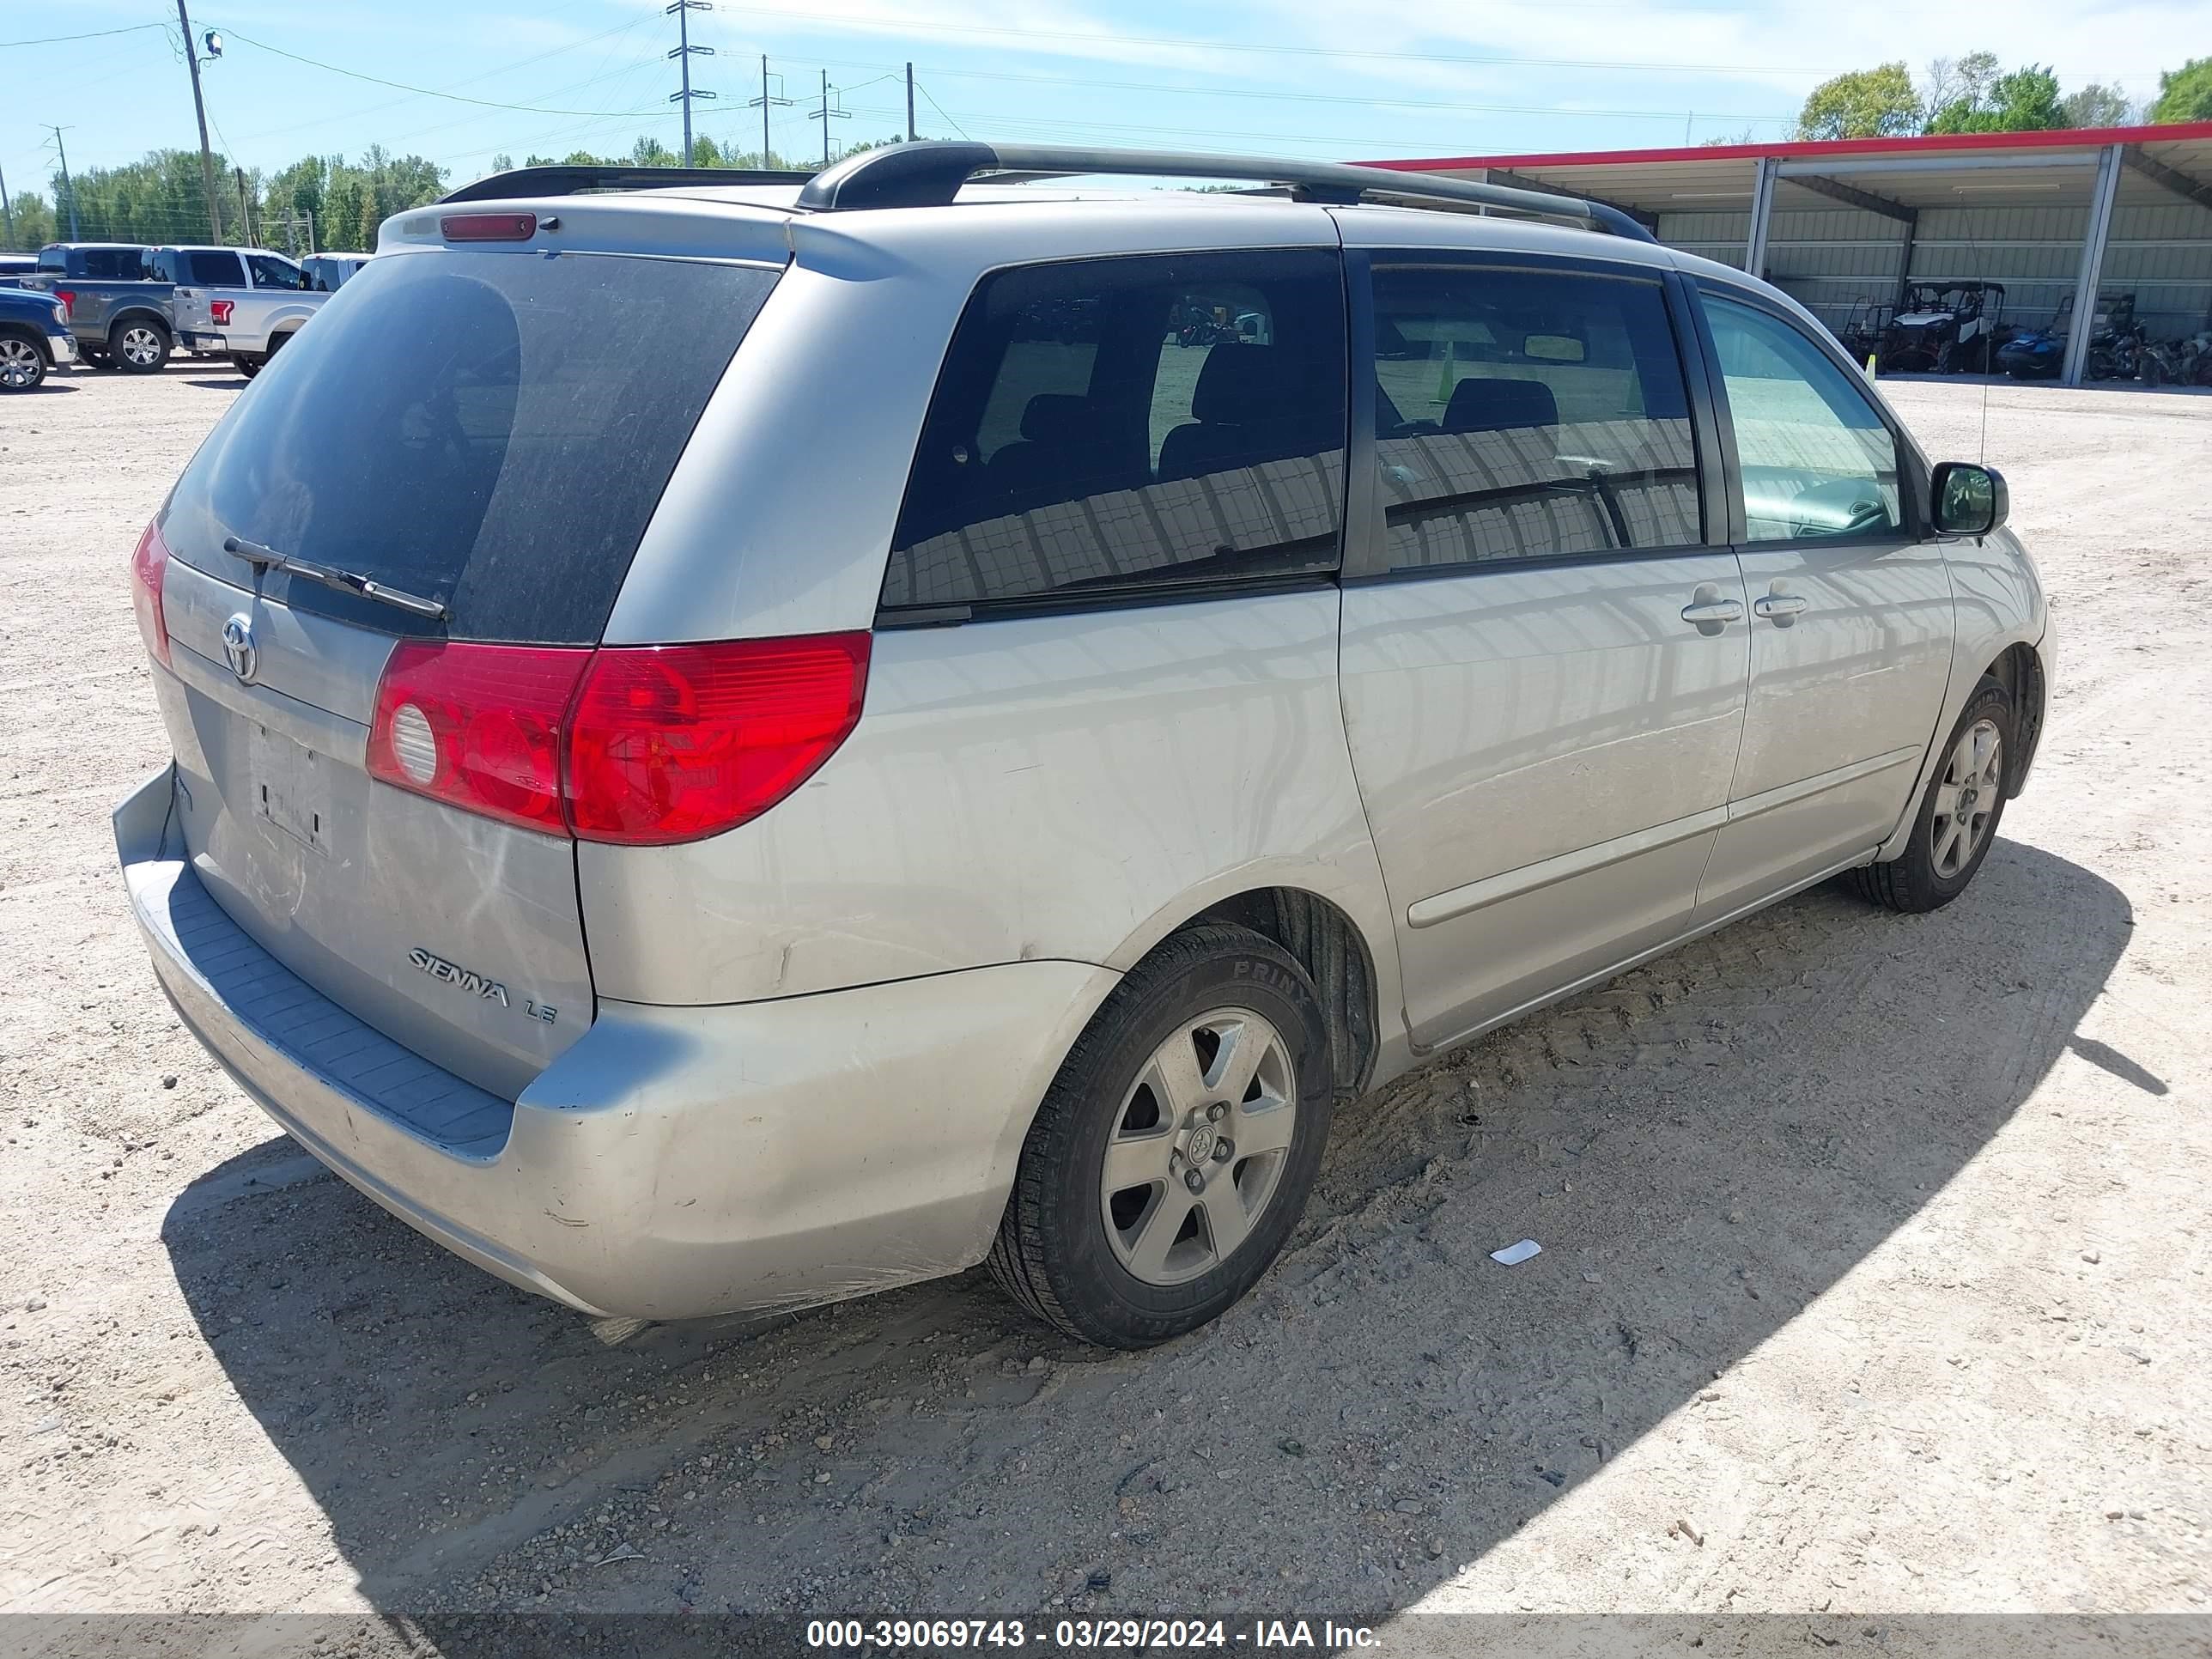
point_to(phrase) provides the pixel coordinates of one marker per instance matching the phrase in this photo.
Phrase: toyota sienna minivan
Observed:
(738, 744)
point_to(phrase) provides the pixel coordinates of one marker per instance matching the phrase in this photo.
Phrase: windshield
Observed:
(489, 430)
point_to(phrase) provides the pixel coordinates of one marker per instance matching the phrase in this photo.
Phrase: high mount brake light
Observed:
(149, 567)
(631, 745)
(488, 227)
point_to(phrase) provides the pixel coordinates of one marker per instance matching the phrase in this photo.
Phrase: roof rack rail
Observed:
(929, 173)
(567, 179)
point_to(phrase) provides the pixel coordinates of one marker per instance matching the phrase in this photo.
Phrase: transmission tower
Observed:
(683, 53)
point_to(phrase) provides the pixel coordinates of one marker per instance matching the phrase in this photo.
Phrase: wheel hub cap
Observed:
(1967, 798)
(1196, 1152)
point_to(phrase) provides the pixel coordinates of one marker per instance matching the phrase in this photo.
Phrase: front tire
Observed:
(22, 365)
(1176, 1150)
(1958, 812)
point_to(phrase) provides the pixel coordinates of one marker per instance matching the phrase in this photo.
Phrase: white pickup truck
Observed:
(241, 303)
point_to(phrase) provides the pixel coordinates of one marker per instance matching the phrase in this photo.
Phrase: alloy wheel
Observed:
(141, 345)
(1197, 1149)
(19, 364)
(1967, 798)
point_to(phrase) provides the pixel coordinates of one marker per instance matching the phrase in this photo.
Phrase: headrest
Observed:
(1059, 417)
(1479, 404)
(1243, 385)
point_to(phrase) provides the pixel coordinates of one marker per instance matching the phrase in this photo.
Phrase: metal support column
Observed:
(2092, 264)
(1762, 216)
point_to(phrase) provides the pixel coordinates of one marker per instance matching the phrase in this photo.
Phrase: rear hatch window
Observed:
(492, 430)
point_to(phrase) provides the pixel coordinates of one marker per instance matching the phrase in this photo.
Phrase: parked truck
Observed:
(241, 303)
(34, 337)
(122, 315)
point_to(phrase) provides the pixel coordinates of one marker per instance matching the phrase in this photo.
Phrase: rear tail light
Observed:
(69, 302)
(673, 742)
(219, 310)
(149, 565)
(633, 746)
(477, 725)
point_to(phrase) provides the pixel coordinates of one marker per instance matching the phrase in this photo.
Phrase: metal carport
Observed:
(1843, 221)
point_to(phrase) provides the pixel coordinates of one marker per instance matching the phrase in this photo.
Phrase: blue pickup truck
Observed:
(34, 337)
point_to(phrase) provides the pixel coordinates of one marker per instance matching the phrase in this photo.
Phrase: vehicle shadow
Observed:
(50, 384)
(1702, 1147)
(230, 383)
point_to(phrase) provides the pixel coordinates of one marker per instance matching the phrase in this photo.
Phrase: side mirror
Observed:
(1967, 500)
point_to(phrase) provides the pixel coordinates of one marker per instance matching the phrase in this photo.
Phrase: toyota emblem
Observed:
(238, 646)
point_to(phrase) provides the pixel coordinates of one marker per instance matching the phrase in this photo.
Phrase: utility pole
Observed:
(245, 209)
(684, 52)
(62, 150)
(199, 109)
(769, 83)
(827, 115)
(7, 211)
(910, 103)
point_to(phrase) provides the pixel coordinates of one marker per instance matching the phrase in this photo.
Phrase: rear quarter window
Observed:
(1117, 427)
(115, 264)
(206, 269)
(490, 429)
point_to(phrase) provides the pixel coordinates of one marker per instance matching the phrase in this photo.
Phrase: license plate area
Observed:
(291, 788)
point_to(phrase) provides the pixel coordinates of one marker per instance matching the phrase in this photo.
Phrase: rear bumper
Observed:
(673, 1162)
(199, 340)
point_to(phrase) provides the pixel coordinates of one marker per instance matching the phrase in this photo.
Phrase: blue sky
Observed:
(1346, 79)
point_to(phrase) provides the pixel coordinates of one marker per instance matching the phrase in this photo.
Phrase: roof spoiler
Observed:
(567, 179)
(930, 173)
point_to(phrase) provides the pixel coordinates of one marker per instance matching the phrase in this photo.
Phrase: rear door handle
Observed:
(1780, 609)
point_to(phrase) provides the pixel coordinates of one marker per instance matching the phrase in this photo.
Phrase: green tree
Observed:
(1876, 103)
(35, 223)
(156, 198)
(2026, 101)
(2098, 105)
(1963, 80)
(2185, 93)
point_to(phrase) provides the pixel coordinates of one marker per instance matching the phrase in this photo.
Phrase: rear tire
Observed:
(248, 366)
(139, 347)
(1217, 1037)
(95, 356)
(1959, 813)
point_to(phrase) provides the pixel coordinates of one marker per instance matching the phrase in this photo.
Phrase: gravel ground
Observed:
(1875, 1248)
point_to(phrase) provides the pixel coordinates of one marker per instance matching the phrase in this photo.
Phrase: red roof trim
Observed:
(1930, 143)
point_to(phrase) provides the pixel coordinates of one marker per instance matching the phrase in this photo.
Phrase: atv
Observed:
(2041, 355)
(1944, 328)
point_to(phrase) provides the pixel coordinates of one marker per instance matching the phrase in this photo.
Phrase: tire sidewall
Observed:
(1089, 1280)
(38, 366)
(1991, 700)
(161, 358)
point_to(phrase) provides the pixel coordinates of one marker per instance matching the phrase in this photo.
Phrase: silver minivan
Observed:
(813, 735)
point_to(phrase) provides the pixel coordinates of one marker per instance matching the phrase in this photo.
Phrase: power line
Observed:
(600, 74)
(939, 108)
(431, 92)
(906, 25)
(95, 34)
(1301, 97)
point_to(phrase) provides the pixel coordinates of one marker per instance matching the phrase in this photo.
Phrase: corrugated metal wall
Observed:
(1832, 261)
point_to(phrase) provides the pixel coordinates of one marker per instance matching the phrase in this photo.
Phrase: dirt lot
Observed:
(1875, 1270)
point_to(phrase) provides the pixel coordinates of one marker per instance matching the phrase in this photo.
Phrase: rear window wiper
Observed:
(346, 581)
